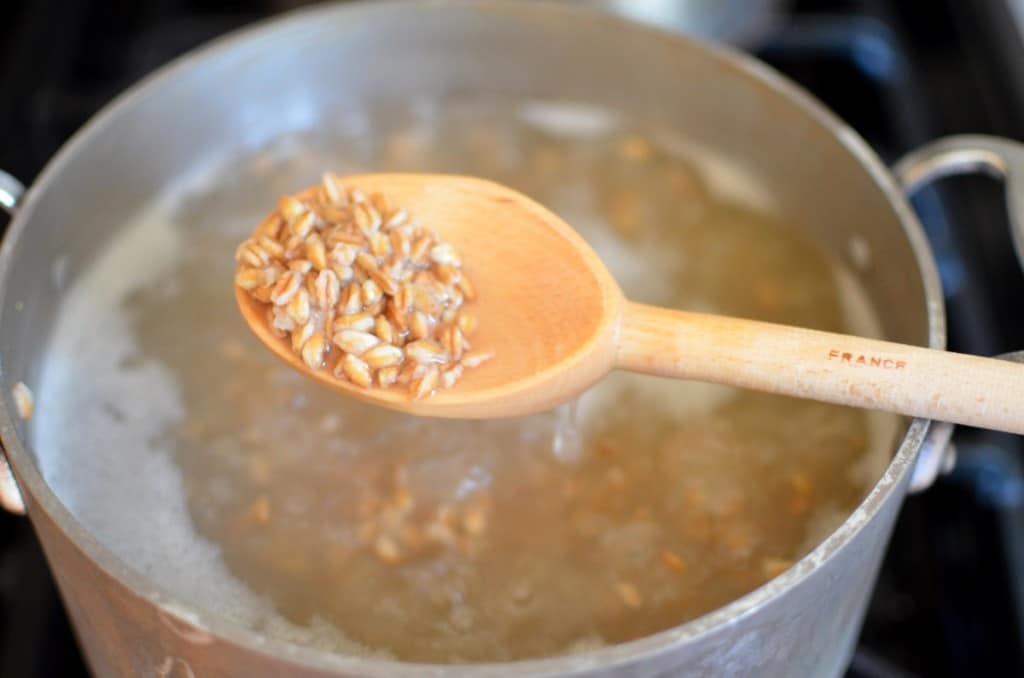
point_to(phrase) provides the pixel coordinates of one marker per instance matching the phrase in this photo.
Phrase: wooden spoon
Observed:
(558, 322)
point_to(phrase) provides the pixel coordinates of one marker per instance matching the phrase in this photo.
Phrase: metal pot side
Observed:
(265, 81)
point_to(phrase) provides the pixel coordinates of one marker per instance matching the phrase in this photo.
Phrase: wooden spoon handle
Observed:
(833, 368)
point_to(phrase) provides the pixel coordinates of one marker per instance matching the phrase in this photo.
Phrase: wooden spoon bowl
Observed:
(547, 307)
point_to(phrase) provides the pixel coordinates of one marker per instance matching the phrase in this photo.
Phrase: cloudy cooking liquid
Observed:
(194, 455)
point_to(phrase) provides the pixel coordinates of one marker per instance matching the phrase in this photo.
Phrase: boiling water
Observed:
(194, 455)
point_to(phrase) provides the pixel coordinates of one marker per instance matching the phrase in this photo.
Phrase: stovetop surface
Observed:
(950, 597)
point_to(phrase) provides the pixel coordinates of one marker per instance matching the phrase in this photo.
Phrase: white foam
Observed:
(103, 409)
(631, 263)
(98, 436)
(723, 176)
(569, 119)
(671, 397)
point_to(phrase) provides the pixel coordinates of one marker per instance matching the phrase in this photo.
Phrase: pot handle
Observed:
(963, 154)
(11, 191)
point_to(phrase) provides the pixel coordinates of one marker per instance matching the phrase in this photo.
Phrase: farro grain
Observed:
(262, 293)
(271, 226)
(467, 289)
(451, 375)
(419, 327)
(449, 275)
(387, 549)
(343, 253)
(367, 218)
(272, 247)
(458, 344)
(249, 278)
(382, 328)
(286, 288)
(445, 254)
(402, 299)
(472, 360)
(396, 270)
(260, 510)
(344, 273)
(357, 371)
(440, 533)
(424, 300)
(386, 376)
(316, 251)
(372, 292)
(254, 255)
(425, 385)
(351, 299)
(293, 247)
(290, 207)
(301, 335)
(298, 308)
(349, 274)
(410, 372)
(629, 594)
(313, 351)
(466, 323)
(380, 202)
(400, 245)
(380, 244)
(474, 520)
(425, 352)
(337, 236)
(356, 321)
(398, 218)
(303, 224)
(332, 191)
(358, 343)
(673, 561)
(327, 289)
(281, 320)
(419, 249)
(300, 265)
(396, 316)
(386, 283)
(383, 355)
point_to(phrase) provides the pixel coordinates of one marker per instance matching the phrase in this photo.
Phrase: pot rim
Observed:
(743, 65)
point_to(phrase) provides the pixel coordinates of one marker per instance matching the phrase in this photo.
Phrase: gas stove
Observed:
(950, 596)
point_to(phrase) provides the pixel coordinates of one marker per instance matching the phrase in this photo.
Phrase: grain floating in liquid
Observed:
(24, 401)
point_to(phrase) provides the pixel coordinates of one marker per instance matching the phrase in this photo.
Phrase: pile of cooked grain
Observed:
(349, 275)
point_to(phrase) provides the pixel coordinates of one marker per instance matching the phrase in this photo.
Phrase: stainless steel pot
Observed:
(737, 22)
(263, 82)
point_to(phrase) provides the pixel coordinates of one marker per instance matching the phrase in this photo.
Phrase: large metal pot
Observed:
(229, 96)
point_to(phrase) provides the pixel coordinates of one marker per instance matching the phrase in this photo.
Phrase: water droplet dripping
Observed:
(567, 443)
